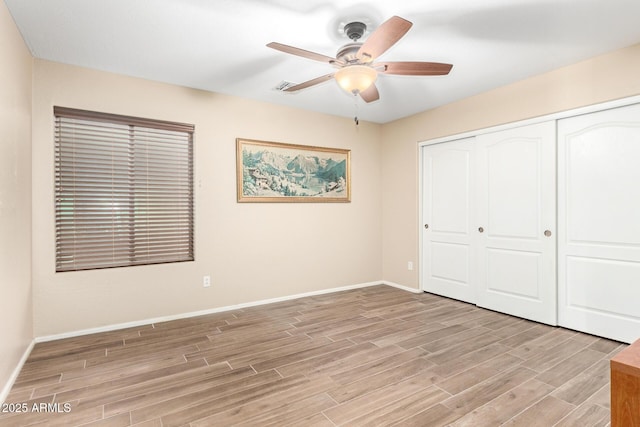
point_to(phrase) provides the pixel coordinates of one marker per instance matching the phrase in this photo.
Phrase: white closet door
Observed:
(599, 223)
(516, 222)
(448, 196)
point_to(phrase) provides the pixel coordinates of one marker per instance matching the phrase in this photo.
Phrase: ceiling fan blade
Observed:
(385, 36)
(311, 82)
(301, 52)
(414, 68)
(370, 94)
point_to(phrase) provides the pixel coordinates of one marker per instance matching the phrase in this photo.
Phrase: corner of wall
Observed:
(16, 304)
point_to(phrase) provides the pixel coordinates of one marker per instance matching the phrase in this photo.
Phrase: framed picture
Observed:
(277, 172)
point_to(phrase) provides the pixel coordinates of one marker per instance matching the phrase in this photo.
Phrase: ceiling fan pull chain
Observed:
(355, 106)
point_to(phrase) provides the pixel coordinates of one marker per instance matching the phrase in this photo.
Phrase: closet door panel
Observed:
(449, 261)
(516, 267)
(619, 297)
(447, 212)
(599, 223)
(514, 273)
(512, 186)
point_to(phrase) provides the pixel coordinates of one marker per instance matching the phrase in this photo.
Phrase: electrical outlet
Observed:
(409, 265)
(206, 281)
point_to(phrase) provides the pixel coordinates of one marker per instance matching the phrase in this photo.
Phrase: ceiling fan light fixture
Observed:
(356, 78)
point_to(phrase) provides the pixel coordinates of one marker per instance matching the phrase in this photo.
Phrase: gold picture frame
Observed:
(279, 172)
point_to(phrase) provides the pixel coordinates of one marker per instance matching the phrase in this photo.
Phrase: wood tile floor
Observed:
(371, 356)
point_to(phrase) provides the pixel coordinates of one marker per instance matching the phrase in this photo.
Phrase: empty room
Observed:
(322, 213)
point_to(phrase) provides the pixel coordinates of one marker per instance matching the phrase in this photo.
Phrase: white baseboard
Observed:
(404, 288)
(115, 327)
(14, 375)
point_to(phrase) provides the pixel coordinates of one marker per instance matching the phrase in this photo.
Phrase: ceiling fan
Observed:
(357, 71)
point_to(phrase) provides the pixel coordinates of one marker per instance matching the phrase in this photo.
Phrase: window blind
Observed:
(123, 190)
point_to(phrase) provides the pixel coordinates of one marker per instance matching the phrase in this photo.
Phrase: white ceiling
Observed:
(219, 45)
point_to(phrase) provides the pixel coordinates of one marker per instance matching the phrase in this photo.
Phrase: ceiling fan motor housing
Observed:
(355, 30)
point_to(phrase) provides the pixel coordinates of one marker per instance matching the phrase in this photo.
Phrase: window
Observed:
(123, 190)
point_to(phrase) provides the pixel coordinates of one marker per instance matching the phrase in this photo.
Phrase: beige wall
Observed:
(252, 251)
(16, 331)
(604, 78)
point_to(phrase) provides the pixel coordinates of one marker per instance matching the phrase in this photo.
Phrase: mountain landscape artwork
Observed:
(277, 172)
